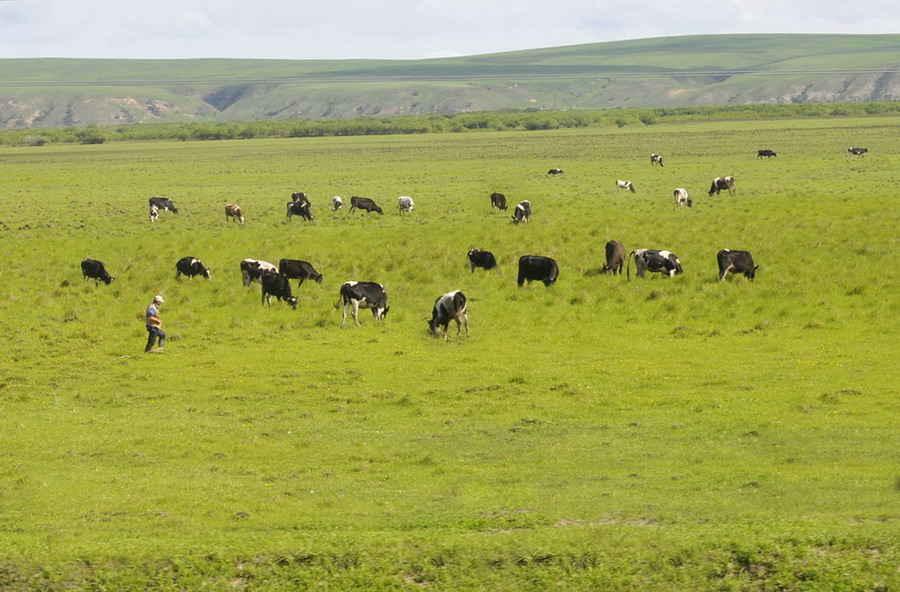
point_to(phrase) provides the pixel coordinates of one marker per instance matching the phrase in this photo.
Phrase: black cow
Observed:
(450, 306)
(535, 267)
(615, 257)
(299, 208)
(652, 260)
(656, 159)
(856, 151)
(191, 266)
(736, 262)
(555, 172)
(721, 184)
(299, 270)
(522, 213)
(364, 203)
(766, 153)
(252, 269)
(479, 258)
(91, 268)
(362, 295)
(498, 200)
(275, 284)
(163, 203)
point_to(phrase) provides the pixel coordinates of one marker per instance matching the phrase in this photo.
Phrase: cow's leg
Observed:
(355, 304)
(344, 319)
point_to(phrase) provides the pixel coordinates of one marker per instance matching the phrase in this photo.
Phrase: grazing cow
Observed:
(535, 267)
(364, 203)
(736, 262)
(234, 211)
(450, 306)
(163, 203)
(722, 183)
(622, 184)
(299, 270)
(91, 268)
(615, 257)
(336, 203)
(656, 159)
(498, 200)
(191, 266)
(154, 213)
(652, 260)
(522, 213)
(856, 151)
(405, 204)
(252, 269)
(766, 153)
(555, 172)
(275, 284)
(299, 208)
(682, 198)
(479, 258)
(358, 295)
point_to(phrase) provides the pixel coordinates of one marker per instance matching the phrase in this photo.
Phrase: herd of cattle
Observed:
(354, 295)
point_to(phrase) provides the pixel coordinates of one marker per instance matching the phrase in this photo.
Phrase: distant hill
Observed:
(660, 72)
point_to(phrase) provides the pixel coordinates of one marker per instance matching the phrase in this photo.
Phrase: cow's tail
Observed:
(628, 266)
(340, 298)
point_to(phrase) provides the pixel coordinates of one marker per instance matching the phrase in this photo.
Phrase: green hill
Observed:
(671, 71)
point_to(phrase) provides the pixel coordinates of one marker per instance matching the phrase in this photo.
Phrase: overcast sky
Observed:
(402, 29)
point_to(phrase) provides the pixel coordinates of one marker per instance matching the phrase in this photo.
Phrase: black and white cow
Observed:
(682, 198)
(337, 203)
(95, 270)
(234, 211)
(522, 213)
(275, 284)
(450, 306)
(766, 153)
(483, 259)
(555, 172)
(191, 266)
(299, 208)
(615, 257)
(652, 260)
(721, 184)
(364, 203)
(856, 151)
(163, 204)
(154, 213)
(296, 269)
(736, 262)
(358, 295)
(498, 200)
(656, 159)
(405, 204)
(624, 184)
(536, 267)
(252, 269)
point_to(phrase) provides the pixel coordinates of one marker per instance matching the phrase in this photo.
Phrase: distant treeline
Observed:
(429, 124)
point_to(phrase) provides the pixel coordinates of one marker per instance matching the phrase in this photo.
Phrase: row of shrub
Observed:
(435, 123)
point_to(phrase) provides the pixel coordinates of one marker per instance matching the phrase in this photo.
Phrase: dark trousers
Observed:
(152, 334)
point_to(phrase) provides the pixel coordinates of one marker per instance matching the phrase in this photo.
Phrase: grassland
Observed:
(666, 434)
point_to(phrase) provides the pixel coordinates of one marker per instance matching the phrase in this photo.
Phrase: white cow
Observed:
(336, 203)
(682, 198)
(405, 204)
(623, 184)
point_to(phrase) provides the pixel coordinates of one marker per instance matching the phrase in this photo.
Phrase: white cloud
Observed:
(410, 29)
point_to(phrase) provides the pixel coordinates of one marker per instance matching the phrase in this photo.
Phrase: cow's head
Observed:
(293, 302)
(751, 273)
(380, 312)
(207, 272)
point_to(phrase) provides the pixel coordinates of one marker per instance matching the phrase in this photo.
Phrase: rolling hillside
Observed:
(672, 71)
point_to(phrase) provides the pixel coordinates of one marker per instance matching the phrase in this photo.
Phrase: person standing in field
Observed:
(154, 325)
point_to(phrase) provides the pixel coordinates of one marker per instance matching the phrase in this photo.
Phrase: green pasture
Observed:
(651, 434)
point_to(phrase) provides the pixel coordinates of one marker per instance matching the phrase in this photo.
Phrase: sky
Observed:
(397, 29)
